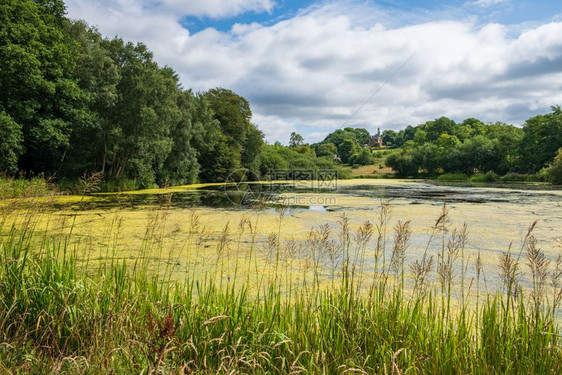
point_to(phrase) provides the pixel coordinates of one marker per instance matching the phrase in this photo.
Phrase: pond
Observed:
(181, 229)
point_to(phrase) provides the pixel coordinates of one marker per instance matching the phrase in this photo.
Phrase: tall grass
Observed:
(18, 187)
(59, 317)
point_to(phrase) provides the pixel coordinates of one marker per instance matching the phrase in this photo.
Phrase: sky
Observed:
(316, 66)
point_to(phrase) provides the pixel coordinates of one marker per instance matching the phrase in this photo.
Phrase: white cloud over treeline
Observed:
(309, 73)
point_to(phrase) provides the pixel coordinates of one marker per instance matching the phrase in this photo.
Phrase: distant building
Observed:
(376, 140)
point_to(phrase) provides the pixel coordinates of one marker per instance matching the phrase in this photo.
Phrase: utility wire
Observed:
(377, 91)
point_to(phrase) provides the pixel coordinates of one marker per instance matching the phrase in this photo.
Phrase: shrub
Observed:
(453, 177)
(123, 184)
(21, 187)
(486, 177)
(516, 177)
(554, 172)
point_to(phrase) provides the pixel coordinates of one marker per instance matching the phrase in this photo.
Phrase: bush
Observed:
(554, 172)
(486, 177)
(516, 177)
(344, 173)
(453, 177)
(123, 184)
(377, 176)
(21, 187)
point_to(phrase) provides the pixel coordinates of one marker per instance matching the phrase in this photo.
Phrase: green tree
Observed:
(359, 136)
(542, 139)
(362, 136)
(448, 150)
(272, 160)
(507, 141)
(403, 161)
(146, 111)
(234, 147)
(296, 140)
(429, 157)
(347, 148)
(475, 154)
(421, 137)
(391, 138)
(554, 172)
(434, 129)
(448, 142)
(252, 148)
(305, 149)
(181, 165)
(10, 143)
(233, 114)
(39, 91)
(363, 157)
(207, 135)
(469, 128)
(98, 75)
(326, 149)
(337, 137)
(408, 133)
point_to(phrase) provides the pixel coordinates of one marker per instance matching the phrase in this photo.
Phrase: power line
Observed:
(379, 89)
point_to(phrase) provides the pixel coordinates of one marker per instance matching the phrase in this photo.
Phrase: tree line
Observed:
(73, 101)
(444, 146)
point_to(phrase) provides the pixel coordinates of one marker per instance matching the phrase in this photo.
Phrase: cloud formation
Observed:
(488, 3)
(310, 73)
(217, 8)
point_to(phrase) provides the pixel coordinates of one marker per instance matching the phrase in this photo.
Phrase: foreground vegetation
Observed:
(355, 306)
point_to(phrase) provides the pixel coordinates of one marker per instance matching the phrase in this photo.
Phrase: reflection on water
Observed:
(318, 208)
(423, 192)
(413, 192)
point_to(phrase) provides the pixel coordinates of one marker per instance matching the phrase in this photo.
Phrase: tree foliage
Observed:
(443, 146)
(73, 101)
(542, 139)
(554, 172)
(39, 88)
(350, 144)
(10, 143)
(296, 140)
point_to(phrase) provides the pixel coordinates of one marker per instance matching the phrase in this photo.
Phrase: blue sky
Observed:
(283, 10)
(308, 66)
(507, 12)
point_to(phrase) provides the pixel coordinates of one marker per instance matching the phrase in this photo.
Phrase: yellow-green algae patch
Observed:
(169, 190)
(260, 245)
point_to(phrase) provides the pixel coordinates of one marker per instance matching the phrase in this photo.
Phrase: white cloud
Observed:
(311, 72)
(198, 8)
(488, 3)
(218, 8)
(131, 20)
(274, 127)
